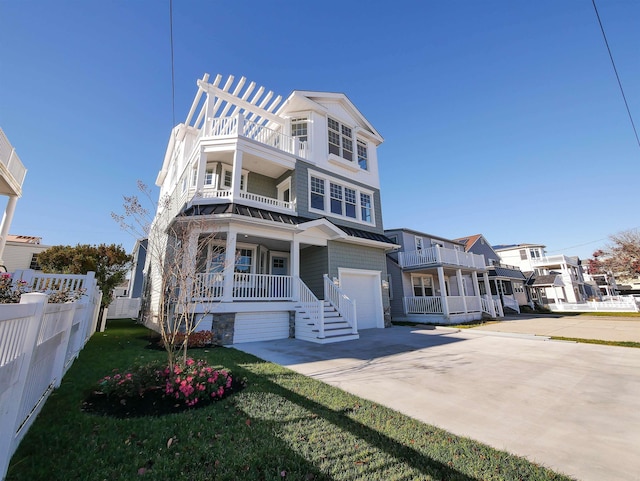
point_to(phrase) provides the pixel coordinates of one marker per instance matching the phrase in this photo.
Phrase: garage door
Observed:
(364, 287)
(260, 326)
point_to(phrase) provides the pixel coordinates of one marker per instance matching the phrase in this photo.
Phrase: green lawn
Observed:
(282, 426)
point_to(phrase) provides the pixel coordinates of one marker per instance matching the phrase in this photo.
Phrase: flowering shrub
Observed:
(196, 382)
(10, 294)
(188, 385)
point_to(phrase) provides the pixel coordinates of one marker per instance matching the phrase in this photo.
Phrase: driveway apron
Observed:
(574, 408)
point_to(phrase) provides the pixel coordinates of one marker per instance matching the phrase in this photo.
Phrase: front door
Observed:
(279, 266)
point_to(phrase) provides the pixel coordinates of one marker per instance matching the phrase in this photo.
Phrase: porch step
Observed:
(340, 338)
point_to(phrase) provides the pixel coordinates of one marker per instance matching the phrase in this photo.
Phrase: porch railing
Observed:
(338, 299)
(486, 302)
(12, 163)
(246, 287)
(440, 255)
(423, 305)
(433, 304)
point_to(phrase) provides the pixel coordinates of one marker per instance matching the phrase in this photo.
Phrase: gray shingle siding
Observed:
(301, 187)
(354, 256)
(314, 264)
(397, 308)
(262, 185)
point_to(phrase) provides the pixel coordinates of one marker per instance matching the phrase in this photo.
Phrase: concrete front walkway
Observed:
(574, 408)
(582, 327)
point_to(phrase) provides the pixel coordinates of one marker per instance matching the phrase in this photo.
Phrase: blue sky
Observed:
(499, 117)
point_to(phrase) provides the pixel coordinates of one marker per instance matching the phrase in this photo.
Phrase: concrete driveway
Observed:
(582, 327)
(574, 408)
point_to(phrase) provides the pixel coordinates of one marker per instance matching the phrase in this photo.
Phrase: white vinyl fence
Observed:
(38, 343)
(619, 304)
(124, 308)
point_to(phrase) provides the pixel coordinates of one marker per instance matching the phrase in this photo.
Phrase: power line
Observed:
(616, 72)
(173, 76)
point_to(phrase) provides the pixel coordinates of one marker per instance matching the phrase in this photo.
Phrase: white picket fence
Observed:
(619, 304)
(38, 343)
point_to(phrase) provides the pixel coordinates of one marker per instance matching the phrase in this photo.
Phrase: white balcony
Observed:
(12, 171)
(557, 260)
(238, 126)
(436, 255)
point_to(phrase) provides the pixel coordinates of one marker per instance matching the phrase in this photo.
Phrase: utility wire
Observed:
(173, 76)
(616, 72)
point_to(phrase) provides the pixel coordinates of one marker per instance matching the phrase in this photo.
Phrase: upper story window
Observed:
(535, 253)
(227, 179)
(419, 244)
(363, 160)
(343, 200)
(340, 140)
(523, 255)
(299, 129)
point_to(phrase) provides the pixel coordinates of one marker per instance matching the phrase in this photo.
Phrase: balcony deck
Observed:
(436, 255)
(12, 171)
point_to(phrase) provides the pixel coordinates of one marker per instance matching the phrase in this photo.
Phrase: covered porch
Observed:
(447, 295)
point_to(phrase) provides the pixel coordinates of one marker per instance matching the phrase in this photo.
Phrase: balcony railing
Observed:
(13, 165)
(554, 261)
(254, 198)
(238, 126)
(437, 255)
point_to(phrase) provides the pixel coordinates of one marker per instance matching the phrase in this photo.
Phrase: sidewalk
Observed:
(582, 327)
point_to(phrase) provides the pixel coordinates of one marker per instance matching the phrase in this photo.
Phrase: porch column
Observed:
(237, 174)
(461, 289)
(229, 266)
(492, 307)
(476, 287)
(295, 267)
(202, 170)
(443, 292)
(6, 224)
(189, 263)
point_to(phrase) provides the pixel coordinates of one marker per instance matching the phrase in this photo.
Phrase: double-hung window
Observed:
(340, 139)
(299, 129)
(363, 160)
(317, 193)
(332, 196)
(336, 198)
(422, 286)
(227, 179)
(365, 207)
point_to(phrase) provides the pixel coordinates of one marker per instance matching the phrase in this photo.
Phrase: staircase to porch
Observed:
(325, 321)
(336, 328)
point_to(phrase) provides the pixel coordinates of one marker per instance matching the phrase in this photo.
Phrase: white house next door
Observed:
(364, 287)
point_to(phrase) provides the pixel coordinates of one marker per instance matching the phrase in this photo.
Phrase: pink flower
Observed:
(190, 362)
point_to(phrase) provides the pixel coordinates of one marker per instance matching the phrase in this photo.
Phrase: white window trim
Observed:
(419, 243)
(239, 245)
(327, 199)
(282, 187)
(214, 178)
(225, 169)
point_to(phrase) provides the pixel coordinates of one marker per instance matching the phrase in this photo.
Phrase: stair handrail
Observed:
(345, 306)
(311, 303)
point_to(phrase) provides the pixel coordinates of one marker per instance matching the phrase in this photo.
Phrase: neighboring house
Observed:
(507, 282)
(628, 285)
(433, 280)
(122, 289)
(21, 252)
(550, 278)
(290, 191)
(12, 174)
(137, 268)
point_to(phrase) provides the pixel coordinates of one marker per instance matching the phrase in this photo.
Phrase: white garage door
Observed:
(364, 287)
(260, 326)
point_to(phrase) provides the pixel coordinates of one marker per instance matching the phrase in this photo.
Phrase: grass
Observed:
(282, 426)
(598, 341)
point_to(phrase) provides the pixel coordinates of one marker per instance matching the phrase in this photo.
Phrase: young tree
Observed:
(621, 257)
(176, 298)
(109, 262)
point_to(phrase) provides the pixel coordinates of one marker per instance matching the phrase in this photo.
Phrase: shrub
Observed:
(10, 294)
(189, 385)
(196, 339)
